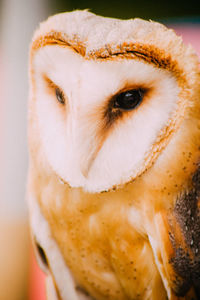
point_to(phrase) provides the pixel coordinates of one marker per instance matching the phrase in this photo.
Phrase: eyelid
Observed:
(127, 88)
(52, 86)
(49, 82)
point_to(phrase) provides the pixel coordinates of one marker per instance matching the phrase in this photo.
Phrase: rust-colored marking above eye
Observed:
(129, 50)
(58, 38)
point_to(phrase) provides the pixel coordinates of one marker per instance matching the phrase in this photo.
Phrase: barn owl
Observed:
(114, 173)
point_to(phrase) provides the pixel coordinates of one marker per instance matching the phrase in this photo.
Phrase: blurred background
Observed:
(20, 278)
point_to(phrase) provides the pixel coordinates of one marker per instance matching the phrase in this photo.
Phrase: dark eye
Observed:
(42, 255)
(129, 100)
(60, 96)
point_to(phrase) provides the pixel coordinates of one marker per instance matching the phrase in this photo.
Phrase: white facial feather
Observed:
(73, 134)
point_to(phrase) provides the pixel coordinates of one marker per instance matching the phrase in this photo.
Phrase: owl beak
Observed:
(87, 165)
(93, 147)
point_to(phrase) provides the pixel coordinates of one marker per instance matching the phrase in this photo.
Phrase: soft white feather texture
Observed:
(70, 135)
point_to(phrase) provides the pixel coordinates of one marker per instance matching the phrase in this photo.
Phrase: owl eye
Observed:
(60, 96)
(128, 100)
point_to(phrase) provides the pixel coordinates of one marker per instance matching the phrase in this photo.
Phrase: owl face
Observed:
(102, 121)
(84, 114)
(114, 106)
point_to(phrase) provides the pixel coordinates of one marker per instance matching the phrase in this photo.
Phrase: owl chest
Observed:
(108, 254)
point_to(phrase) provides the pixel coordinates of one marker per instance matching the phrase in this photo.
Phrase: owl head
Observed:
(107, 96)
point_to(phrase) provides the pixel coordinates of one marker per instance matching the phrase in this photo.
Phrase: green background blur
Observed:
(147, 9)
